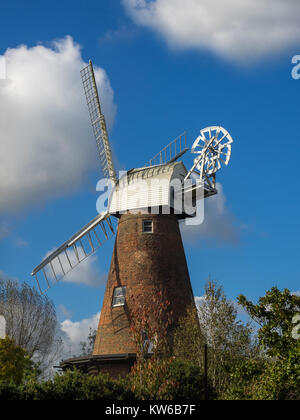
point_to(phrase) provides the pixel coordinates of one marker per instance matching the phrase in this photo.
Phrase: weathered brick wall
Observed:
(141, 260)
(115, 370)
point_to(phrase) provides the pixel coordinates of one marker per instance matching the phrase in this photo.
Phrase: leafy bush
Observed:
(14, 362)
(189, 382)
(280, 380)
(244, 376)
(9, 391)
(272, 380)
(69, 386)
(167, 379)
(278, 376)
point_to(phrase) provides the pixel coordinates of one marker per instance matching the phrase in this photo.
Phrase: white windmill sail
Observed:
(213, 149)
(85, 242)
(98, 122)
(80, 246)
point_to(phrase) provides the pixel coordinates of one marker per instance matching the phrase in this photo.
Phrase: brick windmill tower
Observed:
(147, 203)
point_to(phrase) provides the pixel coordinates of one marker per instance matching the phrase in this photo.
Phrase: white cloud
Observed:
(76, 332)
(219, 224)
(46, 143)
(199, 300)
(236, 29)
(86, 273)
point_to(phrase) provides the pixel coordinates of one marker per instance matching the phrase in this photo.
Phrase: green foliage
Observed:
(188, 340)
(14, 362)
(267, 380)
(69, 386)
(167, 379)
(189, 382)
(162, 377)
(214, 323)
(244, 376)
(87, 346)
(247, 370)
(280, 380)
(237, 370)
(276, 377)
(9, 391)
(149, 379)
(30, 321)
(274, 314)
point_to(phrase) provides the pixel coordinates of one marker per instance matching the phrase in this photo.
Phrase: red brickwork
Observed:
(141, 260)
(115, 370)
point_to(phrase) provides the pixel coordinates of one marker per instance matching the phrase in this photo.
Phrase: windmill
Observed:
(148, 247)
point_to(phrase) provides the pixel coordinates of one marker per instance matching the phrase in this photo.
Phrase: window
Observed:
(119, 296)
(147, 226)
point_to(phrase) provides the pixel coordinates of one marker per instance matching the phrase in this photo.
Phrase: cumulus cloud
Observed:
(239, 30)
(86, 273)
(46, 143)
(219, 225)
(75, 332)
(199, 300)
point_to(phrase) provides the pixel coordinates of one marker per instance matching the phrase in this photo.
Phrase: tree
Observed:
(188, 340)
(30, 321)
(280, 378)
(229, 340)
(274, 314)
(87, 346)
(14, 361)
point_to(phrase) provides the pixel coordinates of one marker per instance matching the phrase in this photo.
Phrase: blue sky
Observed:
(162, 78)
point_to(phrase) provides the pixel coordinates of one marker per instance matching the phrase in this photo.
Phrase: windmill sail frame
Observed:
(98, 122)
(69, 255)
